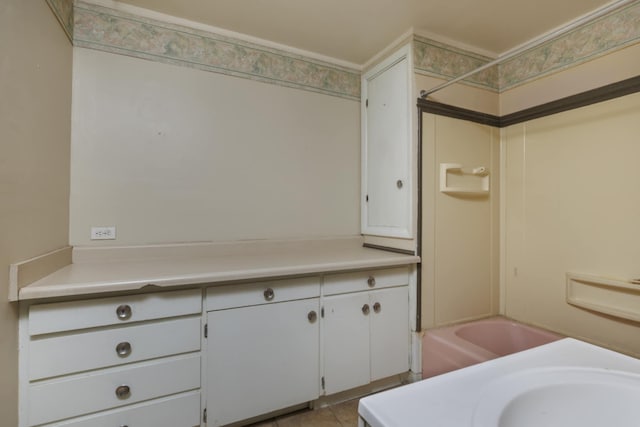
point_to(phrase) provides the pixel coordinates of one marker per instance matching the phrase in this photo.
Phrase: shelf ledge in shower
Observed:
(616, 297)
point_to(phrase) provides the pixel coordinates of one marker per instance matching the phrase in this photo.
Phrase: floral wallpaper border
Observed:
(96, 27)
(614, 31)
(105, 29)
(440, 60)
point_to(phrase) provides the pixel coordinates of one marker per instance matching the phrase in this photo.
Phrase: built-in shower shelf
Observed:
(475, 180)
(615, 297)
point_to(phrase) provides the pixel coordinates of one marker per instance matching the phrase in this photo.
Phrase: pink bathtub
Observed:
(454, 347)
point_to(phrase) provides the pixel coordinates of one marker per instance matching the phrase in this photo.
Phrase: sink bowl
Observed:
(560, 397)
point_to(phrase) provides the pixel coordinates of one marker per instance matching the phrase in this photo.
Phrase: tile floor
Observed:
(338, 415)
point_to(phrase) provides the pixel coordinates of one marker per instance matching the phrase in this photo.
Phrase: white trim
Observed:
(407, 36)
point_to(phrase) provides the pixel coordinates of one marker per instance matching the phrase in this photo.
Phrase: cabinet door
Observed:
(387, 148)
(389, 332)
(261, 359)
(346, 341)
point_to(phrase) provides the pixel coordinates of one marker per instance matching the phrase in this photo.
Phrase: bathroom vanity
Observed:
(209, 335)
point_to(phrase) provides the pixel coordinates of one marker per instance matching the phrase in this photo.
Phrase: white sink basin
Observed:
(567, 383)
(561, 397)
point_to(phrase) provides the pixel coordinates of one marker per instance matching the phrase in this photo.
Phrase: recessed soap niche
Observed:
(454, 178)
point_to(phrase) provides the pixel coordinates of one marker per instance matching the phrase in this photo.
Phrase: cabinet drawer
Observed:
(65, 354)
(242, 295)
(96, 391)
(55, 317)
(176, 411)
(365, 280)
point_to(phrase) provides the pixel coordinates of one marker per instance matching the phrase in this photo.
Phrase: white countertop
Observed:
(109, 269)
(462, 398)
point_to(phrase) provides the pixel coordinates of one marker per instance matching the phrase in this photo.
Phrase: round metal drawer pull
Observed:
(312, 316)
(269, 294)
(123, 392)
(399, 184)
(371, 281)
(123, 312)
(377, 307)
(365, 309)
(123, 349)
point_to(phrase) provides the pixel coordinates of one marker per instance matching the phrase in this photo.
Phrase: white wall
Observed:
(35, 116)
(573, 205)
(172, 154)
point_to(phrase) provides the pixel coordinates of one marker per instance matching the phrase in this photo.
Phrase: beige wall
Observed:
(572, 205)
(460, 95)
(460, 234)
(172, 154)
(35, 109)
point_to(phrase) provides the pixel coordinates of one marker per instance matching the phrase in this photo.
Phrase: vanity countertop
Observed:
(120, 269)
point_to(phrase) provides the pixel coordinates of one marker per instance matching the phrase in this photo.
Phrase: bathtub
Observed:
(454, 347)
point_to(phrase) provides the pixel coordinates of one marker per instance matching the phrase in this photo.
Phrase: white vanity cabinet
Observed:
(262, 348)
(119, 361)
(365, 327)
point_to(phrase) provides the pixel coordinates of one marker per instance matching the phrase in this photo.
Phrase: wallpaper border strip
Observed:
(612, 32)
(101, 28)
(108, 30)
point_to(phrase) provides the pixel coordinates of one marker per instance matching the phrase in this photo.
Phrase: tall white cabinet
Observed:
(387, 129)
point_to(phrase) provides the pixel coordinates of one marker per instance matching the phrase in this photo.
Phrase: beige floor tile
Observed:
(346, 413)
(318, 418)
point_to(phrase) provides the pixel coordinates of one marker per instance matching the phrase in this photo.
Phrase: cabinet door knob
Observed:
(371, 281)
(269, 294)
(312, 316)
(365, 309)
(123, 392)
(377, 307)
(123, 349)
(399, 184)
(123, 311)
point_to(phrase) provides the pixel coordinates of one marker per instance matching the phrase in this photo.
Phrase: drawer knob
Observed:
(269, 294)
(365, 309)
(312, 316)
(123, 349)
(371, 281)
(377, 307)
(123, 311)
(123, 392)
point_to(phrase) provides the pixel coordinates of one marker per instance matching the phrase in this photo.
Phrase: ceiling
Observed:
(355, 30)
